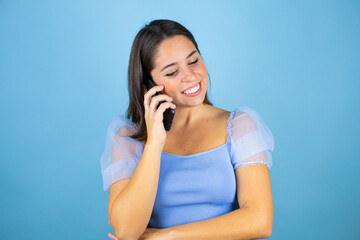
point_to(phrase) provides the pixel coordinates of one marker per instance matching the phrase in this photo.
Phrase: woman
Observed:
(205, 178)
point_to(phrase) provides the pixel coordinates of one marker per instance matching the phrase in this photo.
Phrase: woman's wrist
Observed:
(153, 147)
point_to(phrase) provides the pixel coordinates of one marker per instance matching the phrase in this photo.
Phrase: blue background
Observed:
(63, 67)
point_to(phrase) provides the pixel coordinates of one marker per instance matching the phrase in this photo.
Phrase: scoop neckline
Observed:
(196, 154)
(228, 130)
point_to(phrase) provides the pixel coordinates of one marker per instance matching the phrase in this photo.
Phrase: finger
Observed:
(163, 107)
(147, 97)
(112, 236)
(152, 91)
(157, 99)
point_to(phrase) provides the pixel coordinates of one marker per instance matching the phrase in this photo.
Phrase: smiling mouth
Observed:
(192, 89)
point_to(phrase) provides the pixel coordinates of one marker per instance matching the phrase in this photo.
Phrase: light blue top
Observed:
(193, 187)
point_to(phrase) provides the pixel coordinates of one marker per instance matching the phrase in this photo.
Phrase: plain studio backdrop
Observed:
(64, 77)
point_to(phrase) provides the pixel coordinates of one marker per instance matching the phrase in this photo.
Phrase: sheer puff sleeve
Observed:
(121, 154)
(251, 140)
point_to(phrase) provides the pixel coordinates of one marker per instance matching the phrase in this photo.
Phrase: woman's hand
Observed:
(154, 116)
(150, 234)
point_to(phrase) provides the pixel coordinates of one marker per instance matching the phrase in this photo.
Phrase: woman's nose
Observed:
(189, 75)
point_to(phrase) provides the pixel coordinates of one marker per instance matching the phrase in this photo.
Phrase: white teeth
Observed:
(192, 90)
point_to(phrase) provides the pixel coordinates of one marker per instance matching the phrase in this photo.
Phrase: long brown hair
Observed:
(141, 63)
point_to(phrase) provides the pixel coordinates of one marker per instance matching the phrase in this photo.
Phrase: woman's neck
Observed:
(187, 116)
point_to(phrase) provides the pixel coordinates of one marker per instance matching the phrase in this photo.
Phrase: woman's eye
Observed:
(194, 62)
(171, 74)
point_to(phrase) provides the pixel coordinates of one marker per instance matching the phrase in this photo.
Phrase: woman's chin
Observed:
(193, 103)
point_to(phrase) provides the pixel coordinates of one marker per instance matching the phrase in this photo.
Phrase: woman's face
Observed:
(179, 67)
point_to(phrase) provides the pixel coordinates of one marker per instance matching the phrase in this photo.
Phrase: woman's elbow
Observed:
(120, 233)
(266, 228)
(267, 232)
(264, 222)
(263, 232)
(122, 236)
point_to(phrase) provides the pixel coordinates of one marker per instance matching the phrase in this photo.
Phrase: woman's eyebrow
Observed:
(172, 64)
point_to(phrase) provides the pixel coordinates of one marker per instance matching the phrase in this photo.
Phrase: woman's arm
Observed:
(130, 206)
(253, 220)
(131, 203)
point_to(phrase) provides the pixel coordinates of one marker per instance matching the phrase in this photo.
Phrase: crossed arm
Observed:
(252, 220)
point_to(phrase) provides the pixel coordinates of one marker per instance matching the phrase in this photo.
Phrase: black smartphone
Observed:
(168, 113)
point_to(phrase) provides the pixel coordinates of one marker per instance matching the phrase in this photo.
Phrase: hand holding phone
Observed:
(169, 113)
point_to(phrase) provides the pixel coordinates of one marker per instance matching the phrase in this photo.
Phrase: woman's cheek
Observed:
(171, 89)
(203, 69)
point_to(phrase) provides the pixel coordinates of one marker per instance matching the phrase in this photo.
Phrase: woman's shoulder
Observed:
(217, 112)
(247, 114)
(122, 126)
(238, 116)
(234, 114)
(236, 111)
(244, 112)
(244, 109)
(245, 120)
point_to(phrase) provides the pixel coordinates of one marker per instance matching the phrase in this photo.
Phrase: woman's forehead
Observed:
(173, 49)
